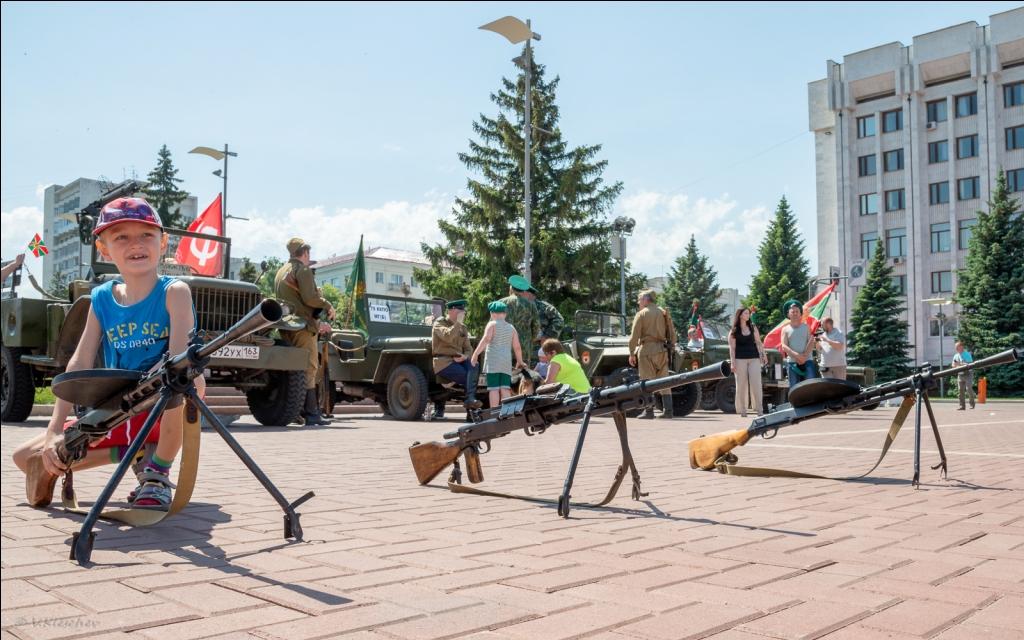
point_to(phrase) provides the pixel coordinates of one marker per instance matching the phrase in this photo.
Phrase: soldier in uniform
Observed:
(449, 342)
(522, 313)
(294, 285)
(551, 321)
(650, 344)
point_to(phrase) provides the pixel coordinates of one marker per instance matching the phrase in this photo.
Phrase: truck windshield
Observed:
(595, 322)
(414, 312)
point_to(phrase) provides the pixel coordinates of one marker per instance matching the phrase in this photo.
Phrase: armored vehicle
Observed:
(40, 334)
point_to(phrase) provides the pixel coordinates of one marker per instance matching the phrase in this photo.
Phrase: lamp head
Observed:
(217, 173)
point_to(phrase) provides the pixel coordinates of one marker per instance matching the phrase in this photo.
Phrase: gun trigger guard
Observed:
(768, 435)
(480, 447)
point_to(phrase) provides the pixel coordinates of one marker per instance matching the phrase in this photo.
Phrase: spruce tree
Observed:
(990, 290)
(162, 190)
(692, 279)
(249, 271)
(783, 270)
(483, 240)
(878, 337)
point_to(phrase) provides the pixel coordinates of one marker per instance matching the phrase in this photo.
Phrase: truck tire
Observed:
(407, 392)
(280, 401)
(725, 395)
(19, 389)
(707, 397)
(685, 399)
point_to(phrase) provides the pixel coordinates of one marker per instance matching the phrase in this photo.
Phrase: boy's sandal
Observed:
(154, 492)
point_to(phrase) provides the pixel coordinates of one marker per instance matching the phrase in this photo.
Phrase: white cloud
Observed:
(396, 224)
(392, 148)
(727, 234)
(19, 225)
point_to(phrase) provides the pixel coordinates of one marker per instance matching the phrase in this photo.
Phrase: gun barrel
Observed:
(704, 374)
(267, 313)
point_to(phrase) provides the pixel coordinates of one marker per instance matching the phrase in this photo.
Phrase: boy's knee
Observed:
(20, 457)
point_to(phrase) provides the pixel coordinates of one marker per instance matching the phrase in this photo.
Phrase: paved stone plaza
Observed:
(703, 556)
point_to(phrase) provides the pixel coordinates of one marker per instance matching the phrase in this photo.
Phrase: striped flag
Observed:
(814, 311)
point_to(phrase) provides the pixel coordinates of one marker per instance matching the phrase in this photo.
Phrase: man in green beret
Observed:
(551, 321)
(797, 345)
(449, 342)
(522, 314)
(294, 286)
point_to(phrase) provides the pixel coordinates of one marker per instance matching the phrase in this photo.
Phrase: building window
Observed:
(966, 228)
(940, 237)
(938, 151)
(892, 121)
(968, 188)
(899, 283)
(893, 160)
(967, 146)
(868, 204)
(896, 242)
(1013, 94)
(866, 165)
(866, 127)
(966, 105)
(1015, 180)
(938, 193)
(412, 281)
(1014, 138)
(895, 200)
(379, 277)
(942, 281)
(936, 110)
(868, 242)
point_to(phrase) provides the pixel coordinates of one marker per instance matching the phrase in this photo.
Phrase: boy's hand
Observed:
(472, 361)
(51, 461)
(632, 360)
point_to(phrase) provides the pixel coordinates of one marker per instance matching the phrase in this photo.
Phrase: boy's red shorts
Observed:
(122, 434)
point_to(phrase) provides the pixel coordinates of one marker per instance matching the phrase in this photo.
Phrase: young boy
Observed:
(137, 319)
(499, 341)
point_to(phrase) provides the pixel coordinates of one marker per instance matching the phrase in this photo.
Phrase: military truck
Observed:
(40, 334)
(391, 363)
(600, 342)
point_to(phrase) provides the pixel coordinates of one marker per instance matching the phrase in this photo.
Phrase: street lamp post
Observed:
(941, 317)
(516, 31)
(216, 154)
(622, 227)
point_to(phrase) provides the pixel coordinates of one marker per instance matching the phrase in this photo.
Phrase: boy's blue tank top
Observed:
(134, 336)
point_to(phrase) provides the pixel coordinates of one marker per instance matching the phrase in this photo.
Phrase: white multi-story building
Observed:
(731, 299)
(388, 271)
(908, 142)
(68, 256)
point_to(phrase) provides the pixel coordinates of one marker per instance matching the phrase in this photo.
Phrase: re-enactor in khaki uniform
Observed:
(650, 342)
(294, 286)
(451, 348)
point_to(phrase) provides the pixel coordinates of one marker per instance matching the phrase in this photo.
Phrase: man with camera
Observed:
(832, 349)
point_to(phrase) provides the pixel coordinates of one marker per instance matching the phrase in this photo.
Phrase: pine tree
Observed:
(784, 270)
(162, 190)
(878, 337)
(990, 290)
(692, 279)
(483, 242)
(249, 271)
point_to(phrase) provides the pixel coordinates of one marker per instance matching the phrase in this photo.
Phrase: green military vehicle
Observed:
(40, 334)
(392, 364)
(600, 342)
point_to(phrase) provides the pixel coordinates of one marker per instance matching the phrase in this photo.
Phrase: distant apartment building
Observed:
(908, 142)
(388, 271)
(68, 256)
(731, 299)
(658, 283)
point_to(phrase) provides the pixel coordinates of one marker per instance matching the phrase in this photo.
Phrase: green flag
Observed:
(356, 290)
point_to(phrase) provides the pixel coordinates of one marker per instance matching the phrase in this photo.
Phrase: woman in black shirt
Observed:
(746, 356)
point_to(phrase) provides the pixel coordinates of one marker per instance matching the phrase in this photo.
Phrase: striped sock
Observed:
(156, 463)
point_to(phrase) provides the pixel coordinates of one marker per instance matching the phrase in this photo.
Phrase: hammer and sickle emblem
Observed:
(205, 249)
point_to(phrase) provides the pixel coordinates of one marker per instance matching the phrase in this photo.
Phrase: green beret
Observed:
(456, 304)
(519, 283)
(497, 307)
(791, 303)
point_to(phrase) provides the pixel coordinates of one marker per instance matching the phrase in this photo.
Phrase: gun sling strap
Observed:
(727, 463)
(187, 472)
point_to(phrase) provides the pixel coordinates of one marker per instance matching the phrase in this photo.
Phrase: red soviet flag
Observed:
(206, 257)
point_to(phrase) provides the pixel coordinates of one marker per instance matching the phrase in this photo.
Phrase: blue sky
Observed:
(348, 118)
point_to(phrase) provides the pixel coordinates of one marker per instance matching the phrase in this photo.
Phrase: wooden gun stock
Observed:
(431, 458)
(704, 451)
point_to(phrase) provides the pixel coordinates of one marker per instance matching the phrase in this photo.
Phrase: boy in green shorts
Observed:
(500, 339)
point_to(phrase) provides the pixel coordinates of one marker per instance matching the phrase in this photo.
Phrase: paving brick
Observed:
(110, 596)
(335, 624)
(562, 578)
(419, 598)
(576, 623)
(696, 621)
(18, 593)
(943, 593)
(659, 577)
(210, 599)
(90, 625)
(967, 631)
(635, 598)
(1007, 613)
(749, 576)
(761, 600)
(376, 578)
(541, 603)
(452, 624)
(808, 620)
(918, 617)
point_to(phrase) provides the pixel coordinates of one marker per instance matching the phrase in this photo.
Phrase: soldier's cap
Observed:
(791, 303)
(126, 210)
(519, 283)
(497, 307)
(534, 291)
(456, 304)
(296, 246)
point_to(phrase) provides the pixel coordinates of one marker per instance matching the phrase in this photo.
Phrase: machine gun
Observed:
(552, 404)
(115, 395)
(826, 396)
(86, 218)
